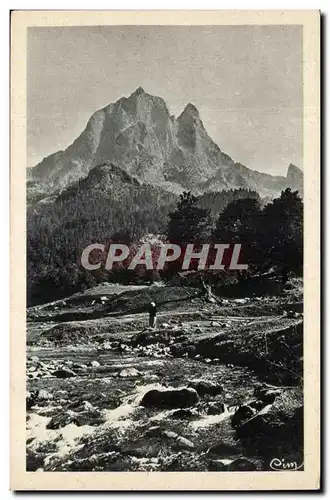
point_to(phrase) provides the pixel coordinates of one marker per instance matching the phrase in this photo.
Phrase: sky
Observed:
(246, 82)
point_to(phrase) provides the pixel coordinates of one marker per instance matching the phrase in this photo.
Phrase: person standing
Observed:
(152, 314)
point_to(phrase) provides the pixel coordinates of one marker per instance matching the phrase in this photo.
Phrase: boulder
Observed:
(267, 396)
(184, 413)
(64, 373)
(184, 442)
(148, 337)
(95, 364)
(206, 387)
(129, 372)
(180, 440)
(170, 398)
(177, 350)
(243, 413)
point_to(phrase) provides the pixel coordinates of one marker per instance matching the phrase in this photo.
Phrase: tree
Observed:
(239, 222)
(282, 231)
(189, 223)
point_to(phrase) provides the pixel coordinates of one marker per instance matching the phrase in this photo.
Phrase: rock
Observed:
(165, 325)
(205, 387)
(177, 350)
(59, 421)
(207, 360)
(34, 359)
(191, 351)
(89, 417)
(215, 323)
(257, 404)
(95, 364)
(243, 413)
(43, 394)
(79, 367)
(170, 434)
(64, 373)
(88, 406)
(129, 372)
(241, 464)
(184, 413)
(268, 396)
(215, 408)
(31, 399)
(149, 337)
(221, 449)
(240, 301)
(184, 442)
(170, 398)
(216, 465)
(153, 431)
(180, 440)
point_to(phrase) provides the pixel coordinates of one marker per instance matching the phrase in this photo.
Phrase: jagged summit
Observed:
(138, 91)
(138, 135)
(293, 169)
(189, 111)
(295, 178)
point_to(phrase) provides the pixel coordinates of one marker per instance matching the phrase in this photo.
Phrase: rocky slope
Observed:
(139, 135)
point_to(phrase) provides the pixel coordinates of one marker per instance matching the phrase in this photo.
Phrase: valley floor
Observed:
(223, 381)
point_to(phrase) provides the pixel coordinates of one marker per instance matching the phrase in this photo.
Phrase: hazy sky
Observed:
(246, 82)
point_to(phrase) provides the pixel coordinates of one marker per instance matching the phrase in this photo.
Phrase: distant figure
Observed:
(152, 314)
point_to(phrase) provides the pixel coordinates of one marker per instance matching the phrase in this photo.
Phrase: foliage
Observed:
(109, 206)
(189, 223)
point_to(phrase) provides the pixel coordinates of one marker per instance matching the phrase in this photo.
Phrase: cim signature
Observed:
(282, 464)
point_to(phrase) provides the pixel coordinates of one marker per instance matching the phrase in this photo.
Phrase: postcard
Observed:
(165, 250)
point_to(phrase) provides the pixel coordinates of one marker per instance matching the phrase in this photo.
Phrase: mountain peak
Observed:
(295, 178)
(138, 91)
(190, 110)
(293, 169)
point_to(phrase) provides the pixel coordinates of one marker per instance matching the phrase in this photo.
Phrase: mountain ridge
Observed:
(139, 134)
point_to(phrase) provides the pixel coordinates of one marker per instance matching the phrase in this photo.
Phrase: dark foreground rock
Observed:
(170, 398)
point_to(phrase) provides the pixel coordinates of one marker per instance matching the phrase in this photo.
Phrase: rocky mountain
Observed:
(295, 178)
(139, 135)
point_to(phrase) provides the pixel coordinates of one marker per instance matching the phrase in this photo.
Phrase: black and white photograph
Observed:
(165, 248)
